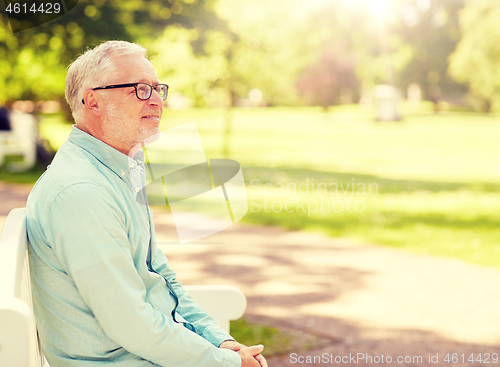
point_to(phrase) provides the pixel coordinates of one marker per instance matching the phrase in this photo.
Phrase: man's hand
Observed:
(251, 357)
(231, 344)
(237, 347)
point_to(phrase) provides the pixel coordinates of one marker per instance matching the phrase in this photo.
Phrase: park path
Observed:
(341, 298)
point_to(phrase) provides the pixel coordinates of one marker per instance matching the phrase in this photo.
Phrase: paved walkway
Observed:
(349, 298)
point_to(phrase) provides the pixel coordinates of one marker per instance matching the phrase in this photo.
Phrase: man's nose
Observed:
(155, 98)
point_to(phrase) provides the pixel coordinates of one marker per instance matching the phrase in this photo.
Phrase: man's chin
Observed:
(151, 134)
(145, 137)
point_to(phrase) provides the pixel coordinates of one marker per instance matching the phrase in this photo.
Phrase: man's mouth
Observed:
(151, 117)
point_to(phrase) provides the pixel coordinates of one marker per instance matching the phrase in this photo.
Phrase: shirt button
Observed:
(122, 173)
(132, 165)
(137, 189)
(147, 223)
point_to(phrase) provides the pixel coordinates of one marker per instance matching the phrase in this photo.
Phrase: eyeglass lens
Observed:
(144, 91)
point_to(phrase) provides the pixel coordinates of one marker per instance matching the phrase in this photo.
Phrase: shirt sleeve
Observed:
(91, 242)
(205, 325)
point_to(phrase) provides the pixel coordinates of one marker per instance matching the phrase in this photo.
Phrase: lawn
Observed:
(429, 184)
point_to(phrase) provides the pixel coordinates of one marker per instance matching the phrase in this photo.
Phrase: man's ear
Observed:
(92, 102)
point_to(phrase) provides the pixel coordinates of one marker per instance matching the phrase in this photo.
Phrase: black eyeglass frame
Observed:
(135, 87)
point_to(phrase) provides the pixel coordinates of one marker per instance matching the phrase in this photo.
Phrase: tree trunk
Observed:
(228, 125)
(487, 105)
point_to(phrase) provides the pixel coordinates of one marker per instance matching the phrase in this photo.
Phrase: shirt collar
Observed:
(115, 160)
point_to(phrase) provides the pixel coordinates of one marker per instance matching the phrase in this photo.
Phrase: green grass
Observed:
(435, 179)
(27, 177)
(276, 342)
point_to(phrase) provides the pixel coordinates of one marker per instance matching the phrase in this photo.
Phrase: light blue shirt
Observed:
(103, 292)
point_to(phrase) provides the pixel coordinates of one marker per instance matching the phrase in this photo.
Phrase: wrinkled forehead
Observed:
(131, 69)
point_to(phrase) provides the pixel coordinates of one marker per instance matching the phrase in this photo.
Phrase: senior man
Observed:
(103, 292)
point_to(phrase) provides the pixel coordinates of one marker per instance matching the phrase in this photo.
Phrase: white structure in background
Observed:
(414, 95)
(255, 97)
(21, 140)
(387, 100)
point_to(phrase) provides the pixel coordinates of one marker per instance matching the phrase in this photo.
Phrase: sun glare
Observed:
(382, 9)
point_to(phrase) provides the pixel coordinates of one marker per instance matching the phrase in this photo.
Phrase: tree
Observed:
(256, 44)
(33, 62)
(431, 30)
(330, 81)
(408, 42)
(476, 60)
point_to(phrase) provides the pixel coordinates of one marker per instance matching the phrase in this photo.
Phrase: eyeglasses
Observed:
(142, 90)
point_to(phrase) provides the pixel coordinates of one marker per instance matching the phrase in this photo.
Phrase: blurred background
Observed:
(371, 120)
(293, 90)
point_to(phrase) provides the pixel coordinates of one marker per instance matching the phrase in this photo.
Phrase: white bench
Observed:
(21, 140)
(19, 345)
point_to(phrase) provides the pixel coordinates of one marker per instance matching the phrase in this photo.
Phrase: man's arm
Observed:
(205, 325)
(90, 241)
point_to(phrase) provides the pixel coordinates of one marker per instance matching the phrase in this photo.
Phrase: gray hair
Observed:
(93, 68)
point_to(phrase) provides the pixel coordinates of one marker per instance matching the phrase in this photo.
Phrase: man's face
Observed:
(128, 120)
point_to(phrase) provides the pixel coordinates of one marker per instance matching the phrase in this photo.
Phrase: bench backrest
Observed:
(18, 339)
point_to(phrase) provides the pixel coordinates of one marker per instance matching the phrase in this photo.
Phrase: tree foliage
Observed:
(33, 62)
(253, 46)
(432, 33)
(216, 51)
(476, 60)
(331, 80)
